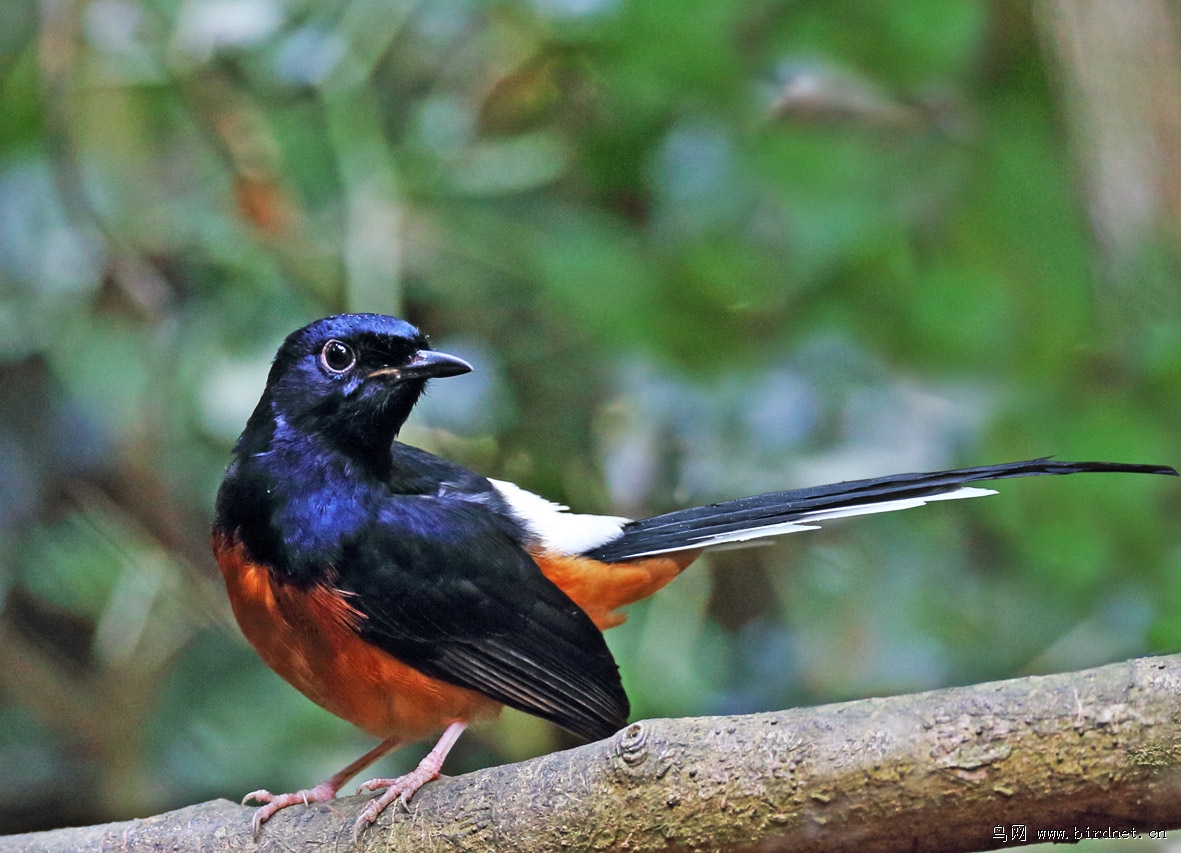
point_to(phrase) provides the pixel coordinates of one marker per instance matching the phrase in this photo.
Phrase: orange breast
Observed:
(309, 637)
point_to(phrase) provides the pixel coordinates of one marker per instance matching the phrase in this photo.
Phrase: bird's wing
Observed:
(446, 587)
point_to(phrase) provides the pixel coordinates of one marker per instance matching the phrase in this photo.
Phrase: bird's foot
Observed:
(400, 789)
(405, 787)
(272, 803)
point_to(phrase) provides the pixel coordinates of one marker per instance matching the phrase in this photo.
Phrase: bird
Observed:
(408, 594)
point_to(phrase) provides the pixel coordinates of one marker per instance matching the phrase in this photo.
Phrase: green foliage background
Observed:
(676, 285)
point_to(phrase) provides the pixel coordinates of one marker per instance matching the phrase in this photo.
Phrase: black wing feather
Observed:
(684, 528)
(446, 588)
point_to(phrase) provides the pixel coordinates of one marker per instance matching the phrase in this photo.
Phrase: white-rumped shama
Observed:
(407, 594)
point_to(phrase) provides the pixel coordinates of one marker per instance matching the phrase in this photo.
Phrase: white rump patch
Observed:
(557, 528)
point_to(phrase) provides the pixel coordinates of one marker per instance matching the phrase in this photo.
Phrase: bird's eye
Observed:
(337, 356)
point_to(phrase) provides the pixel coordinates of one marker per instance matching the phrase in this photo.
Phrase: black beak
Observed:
(426, 364)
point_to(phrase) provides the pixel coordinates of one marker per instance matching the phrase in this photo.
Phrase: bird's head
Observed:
(351, 380)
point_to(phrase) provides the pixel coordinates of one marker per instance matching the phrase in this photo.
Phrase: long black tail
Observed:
(784, 512)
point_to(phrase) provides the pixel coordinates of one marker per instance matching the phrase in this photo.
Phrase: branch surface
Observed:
(1094, 753)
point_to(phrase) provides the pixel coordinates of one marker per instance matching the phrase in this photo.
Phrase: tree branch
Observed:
(1085, 753)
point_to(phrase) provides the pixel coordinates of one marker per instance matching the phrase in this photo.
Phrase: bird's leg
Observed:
(323, 792)
(405, 787)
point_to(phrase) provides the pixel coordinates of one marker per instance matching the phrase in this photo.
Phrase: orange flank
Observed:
(602, 588)
(308, 636)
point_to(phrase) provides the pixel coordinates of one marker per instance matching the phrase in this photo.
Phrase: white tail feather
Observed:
(733, 537)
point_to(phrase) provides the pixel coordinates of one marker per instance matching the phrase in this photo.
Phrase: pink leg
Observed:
(323, 792)
(405, 787)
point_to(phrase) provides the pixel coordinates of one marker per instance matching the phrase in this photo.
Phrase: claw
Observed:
(262, 795)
